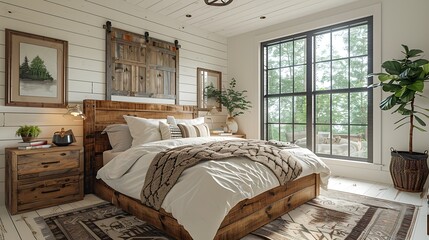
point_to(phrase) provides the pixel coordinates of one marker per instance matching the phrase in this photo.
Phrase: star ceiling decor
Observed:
(218, 2)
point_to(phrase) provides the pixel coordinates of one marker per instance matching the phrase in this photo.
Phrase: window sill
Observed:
(353, 164)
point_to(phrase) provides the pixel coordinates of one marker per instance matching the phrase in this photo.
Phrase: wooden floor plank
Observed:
(35, 228)
(420, 226)
(349, 185)
(378, 190)
(88, 200)
(66, 207)
(26, 226)
(7, 227)
(49, 211)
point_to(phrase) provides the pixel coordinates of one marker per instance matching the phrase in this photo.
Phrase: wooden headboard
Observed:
(100, 113)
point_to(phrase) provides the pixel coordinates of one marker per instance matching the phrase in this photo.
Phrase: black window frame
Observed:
(310, 93)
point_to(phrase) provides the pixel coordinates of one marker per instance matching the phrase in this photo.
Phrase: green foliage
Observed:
(24, 69)
(28, 131)
(230, 98)
(405, 79)
(35, 71)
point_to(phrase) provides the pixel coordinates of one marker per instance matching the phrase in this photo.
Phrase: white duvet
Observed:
(205, 193)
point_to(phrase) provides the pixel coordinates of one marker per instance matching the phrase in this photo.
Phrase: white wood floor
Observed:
(22, 226)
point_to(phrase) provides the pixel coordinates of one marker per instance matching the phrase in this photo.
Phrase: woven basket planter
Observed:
(409, 171)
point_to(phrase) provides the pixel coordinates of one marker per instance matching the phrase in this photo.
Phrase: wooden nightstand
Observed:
(40, 178)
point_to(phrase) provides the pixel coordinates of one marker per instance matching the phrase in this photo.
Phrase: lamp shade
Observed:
(74, 113)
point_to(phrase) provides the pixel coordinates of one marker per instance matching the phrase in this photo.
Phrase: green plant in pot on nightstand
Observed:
(233, 100)
(28, 133)
(404, 80)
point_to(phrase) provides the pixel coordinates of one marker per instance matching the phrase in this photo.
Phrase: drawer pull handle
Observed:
(47, 163)
(51, 191)
(63, 154)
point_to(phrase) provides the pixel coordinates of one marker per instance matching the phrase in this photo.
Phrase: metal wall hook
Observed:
(146, 36)
(108, 26)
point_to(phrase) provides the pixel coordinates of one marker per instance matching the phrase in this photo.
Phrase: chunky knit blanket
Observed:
(167, 166)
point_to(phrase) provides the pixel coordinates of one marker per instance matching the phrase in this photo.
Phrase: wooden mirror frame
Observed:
(204, 78)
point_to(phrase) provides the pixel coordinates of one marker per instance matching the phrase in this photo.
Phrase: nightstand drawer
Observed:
(42, 164)
(48, 190)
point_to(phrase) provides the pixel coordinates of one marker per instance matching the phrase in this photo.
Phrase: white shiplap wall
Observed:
(80, 23)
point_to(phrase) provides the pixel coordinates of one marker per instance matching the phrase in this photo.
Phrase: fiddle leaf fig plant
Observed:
(234, 101)
(405, 79)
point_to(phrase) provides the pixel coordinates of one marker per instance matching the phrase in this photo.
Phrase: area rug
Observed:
(333, 215)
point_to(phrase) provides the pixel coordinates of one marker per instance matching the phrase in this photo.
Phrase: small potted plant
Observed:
(234, 101)
(28, 132)
(404, 80)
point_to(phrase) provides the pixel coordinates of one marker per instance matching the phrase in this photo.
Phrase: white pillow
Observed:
(119, 137)
(193, 121)
(143, 130)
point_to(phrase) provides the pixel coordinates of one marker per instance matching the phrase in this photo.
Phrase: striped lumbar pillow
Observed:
(198, 130)
(169, 131)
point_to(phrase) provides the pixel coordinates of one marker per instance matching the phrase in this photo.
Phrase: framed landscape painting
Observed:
(36, 70)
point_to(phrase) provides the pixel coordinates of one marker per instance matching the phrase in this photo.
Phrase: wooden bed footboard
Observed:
(247, 216)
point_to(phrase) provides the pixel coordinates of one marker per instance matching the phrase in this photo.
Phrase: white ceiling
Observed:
(238, 17)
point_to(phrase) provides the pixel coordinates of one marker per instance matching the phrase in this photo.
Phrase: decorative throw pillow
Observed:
(143, 130)
(202, 130)
(171, 120)
(119, 137)
(198, 130)
(169, 131)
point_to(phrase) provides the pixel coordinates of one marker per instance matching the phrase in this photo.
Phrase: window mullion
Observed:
(331, 97)
(349, 95)
(309, 90)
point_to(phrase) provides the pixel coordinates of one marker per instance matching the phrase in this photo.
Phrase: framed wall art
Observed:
(206, 77)
(36, 70)
(141, 68)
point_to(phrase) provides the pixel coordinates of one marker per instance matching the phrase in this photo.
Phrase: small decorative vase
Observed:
(232, 125)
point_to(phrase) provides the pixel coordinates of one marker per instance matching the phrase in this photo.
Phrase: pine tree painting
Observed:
(24, 69)
(38, 71)
(35, 71)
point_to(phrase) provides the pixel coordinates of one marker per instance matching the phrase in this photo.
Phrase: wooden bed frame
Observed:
(247, 216)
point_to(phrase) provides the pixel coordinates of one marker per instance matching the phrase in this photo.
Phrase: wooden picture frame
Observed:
(36, 70)
(140, 68)
(206, 77)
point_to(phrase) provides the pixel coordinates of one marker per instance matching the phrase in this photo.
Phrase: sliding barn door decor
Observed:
(140, 66)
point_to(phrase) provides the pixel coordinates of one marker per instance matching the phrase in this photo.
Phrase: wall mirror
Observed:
(206, 77)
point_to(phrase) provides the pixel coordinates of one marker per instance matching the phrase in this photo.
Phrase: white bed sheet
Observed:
(205, 193)
(108, 156)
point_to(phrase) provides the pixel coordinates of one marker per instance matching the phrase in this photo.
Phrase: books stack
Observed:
(225, 134)
(34, 144)
(216, 132)
(220, 133)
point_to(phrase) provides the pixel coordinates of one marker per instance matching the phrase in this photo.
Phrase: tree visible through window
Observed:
(315, 90)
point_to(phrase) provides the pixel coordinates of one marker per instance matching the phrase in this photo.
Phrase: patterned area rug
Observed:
(333, 215)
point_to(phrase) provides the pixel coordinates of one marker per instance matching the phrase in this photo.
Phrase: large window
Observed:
(315, 90)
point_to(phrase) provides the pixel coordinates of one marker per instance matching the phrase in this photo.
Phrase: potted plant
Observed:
(28, 133)
(404, 80)
(233, 100)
